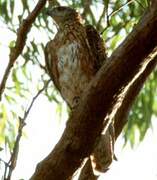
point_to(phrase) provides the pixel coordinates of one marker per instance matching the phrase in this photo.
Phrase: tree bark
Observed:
(101, 100)
(87, 172)
(120, 118)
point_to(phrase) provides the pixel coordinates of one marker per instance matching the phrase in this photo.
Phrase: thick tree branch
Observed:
(121, 116)
(20, 41)
(100, 100)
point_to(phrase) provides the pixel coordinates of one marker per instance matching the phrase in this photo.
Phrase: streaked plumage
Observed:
(73, 57)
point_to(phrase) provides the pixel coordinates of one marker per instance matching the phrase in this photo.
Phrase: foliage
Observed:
(114, 21)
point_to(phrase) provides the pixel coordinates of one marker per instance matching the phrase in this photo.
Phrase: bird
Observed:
(72, 59)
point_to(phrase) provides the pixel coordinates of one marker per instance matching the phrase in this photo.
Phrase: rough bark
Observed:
(101, 99)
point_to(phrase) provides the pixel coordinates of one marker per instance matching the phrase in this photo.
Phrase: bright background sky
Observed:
(44, 129)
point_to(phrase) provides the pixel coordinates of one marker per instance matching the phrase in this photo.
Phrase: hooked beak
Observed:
(51, 12)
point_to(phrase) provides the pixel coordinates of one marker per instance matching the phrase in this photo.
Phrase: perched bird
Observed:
(73, 58)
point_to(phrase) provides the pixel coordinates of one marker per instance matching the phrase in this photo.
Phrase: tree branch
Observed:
(22, 121)
(86, 4)
(20, 41)
(98, 25)
(87, 172)
(121, 116)
(108, 16)
(100, 100)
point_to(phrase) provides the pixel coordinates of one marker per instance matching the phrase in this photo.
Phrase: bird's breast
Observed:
(72, 79)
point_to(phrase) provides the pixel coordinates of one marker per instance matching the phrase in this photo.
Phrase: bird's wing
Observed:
(96, 45)
(51, 63)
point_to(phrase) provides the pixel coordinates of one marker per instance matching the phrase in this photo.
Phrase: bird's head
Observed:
(62, 14)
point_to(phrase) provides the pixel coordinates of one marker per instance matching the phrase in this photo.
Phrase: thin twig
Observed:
(13, 159)
(88, 11)
(115, 12)
(20, 41)
(100, 19)
(4, 161)
(6, 165)
(140, 4)
(120, 8)
(86, 4)
(122, 66)
(35, 97)
(92, 16)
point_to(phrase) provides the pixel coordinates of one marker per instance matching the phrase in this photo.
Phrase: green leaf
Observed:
(115, 40)
(4, 11)
(12, 4)
(16, 81)
(12, 44)
(3, 121)
(10, 99)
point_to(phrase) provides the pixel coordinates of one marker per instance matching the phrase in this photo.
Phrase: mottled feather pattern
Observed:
(97, 46)
(68, 61)
(73, 58)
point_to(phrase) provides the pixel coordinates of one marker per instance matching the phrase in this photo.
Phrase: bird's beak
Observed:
(52, 13)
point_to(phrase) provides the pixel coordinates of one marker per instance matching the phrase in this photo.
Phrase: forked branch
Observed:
(101, 100)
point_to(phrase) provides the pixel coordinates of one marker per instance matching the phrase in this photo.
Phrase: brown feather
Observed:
(72, 58)
(97, 46)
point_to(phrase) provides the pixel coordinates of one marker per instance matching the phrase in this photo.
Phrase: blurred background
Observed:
(136, 148)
